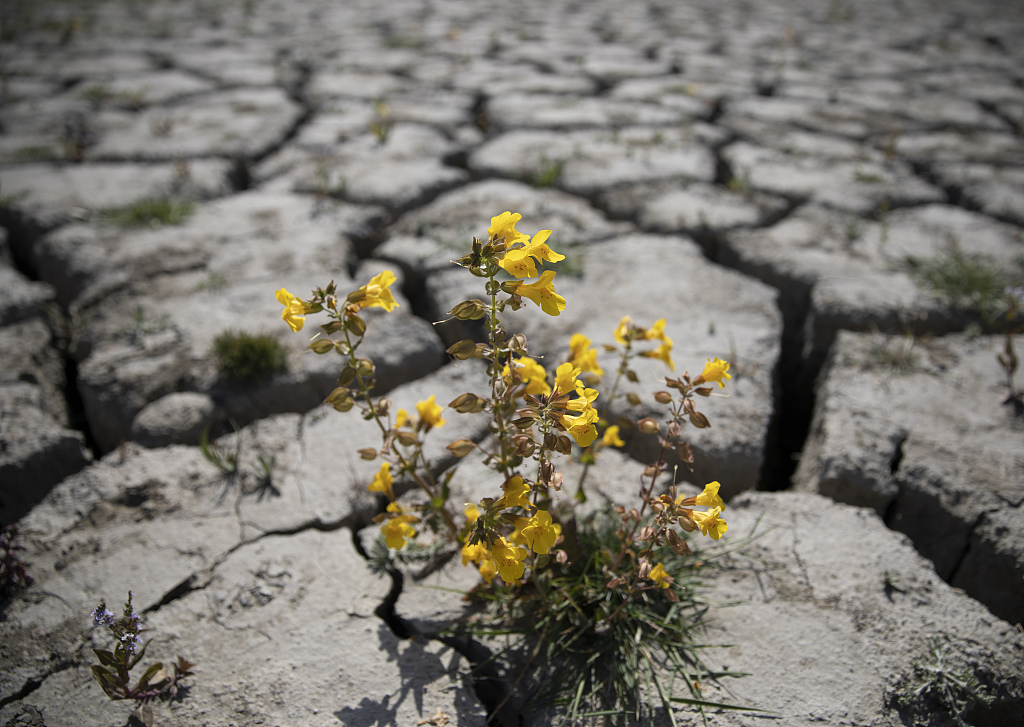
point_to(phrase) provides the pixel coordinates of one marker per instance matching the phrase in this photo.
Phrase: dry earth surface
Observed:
(777, 179)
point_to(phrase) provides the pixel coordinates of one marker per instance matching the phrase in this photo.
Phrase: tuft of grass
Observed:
(935, 678)
(248, 357)
(38, 153)
(151, 213)
(549, 173)
(591, 654)
(225, 460)
(896, 354)
(962, 280)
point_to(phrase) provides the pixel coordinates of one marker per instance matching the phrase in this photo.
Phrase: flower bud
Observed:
(460, 447)
(332, 327)
(645, 569)
(347, 376)
(525, 446)
(663, 397)
(341, 399)
(699, 420)
(383, 407)
(405, 437)
(648, 426)
(517, 344)
(467, 403)
(686, 522)
(462, 350)
(340, 394)
(633, 399)
(468, 310)
(365, 367)
(368, 454)
(674, 428)
(355, 324)
(321, 346)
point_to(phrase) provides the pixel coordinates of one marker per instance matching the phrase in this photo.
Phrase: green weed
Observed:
(956, 689)
(151, 213)
(248, 357)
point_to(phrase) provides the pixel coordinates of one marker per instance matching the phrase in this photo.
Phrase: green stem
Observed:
(497, 407)
(407, 465)
(581, 496)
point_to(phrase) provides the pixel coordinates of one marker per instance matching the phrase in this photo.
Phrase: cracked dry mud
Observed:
(760, 174)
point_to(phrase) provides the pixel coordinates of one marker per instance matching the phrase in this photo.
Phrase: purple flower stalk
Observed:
(102, 616)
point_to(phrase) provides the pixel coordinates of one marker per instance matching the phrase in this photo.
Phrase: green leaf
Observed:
(150, 672)
(139, 654)
(108, 682)
(106, 658)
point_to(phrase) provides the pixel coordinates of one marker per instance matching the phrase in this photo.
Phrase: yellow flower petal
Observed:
(383, 481)
(716, 371)
(611, 437)
(430, 413)
(542, 292)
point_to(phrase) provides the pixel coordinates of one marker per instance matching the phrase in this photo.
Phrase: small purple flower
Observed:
(130, 641)
(102, 616)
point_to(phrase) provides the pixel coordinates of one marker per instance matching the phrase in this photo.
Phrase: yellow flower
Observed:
(611, 437)
(533, 375)
(709, 522)
(519, 262)
(716, 371)
(508, 561)
(474, 553)
(659, 576)
(584, 400)
(472, 512)
(657, 332)
(622, 331)
(516, 537)
(542, 292)
(396, 530)
(583, 356)
(486, 567)
(565, 379)
(582, 428)
(710, 498)
(430, 413)
(516, 491)
(401, 417)
(540, 533)
(663, 352)
(382, 481)
(504, 226)
(376, 293)
(294, 309)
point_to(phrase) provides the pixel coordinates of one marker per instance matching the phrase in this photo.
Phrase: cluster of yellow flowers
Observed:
(499, 534)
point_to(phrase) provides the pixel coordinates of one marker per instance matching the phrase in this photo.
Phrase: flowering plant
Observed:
(625, 577)
(113, 669)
